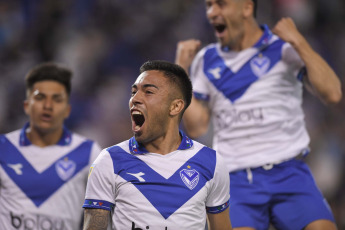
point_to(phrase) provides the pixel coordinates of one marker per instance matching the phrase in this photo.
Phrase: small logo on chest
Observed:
(65, 168)
(190, 177)
(17, 168)
(138, 176)
(215, 72)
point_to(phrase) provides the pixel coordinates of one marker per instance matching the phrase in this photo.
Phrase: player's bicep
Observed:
(219, 221)
(96, 219)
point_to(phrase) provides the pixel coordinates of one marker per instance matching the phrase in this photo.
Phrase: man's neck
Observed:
(251, 36)
(165, 144)
(43, 139)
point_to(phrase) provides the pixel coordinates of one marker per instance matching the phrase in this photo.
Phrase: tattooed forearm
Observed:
(96, 219)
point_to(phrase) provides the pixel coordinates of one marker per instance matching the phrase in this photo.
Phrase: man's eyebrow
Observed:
(145, 86)
(150, 85)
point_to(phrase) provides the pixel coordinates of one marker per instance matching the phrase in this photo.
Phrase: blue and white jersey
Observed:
(152, 191)
(255, 96)
(43, 188)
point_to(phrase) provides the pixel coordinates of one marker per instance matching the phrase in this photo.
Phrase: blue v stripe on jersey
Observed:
(234, 84)
(166, 195)
(40, 186)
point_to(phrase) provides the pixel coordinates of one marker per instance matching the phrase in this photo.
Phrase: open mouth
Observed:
(138, 119)
(219, 27)
(46, 116)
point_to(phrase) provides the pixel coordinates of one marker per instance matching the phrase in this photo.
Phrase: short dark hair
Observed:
(176, 74)
(255, 7)
(49, 71)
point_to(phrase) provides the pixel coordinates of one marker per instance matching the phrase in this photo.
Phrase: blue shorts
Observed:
(285, 195)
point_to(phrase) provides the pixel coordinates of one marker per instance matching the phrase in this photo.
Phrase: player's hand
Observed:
(287, 30)
(186, 51)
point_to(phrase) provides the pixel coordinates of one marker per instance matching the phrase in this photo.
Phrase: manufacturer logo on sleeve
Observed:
(65, 168)
(190, 177)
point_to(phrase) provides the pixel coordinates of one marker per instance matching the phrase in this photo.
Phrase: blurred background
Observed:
(104, 42)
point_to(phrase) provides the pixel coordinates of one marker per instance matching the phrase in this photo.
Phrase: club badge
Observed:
(260, 65)
(190, 177)
(65, 168)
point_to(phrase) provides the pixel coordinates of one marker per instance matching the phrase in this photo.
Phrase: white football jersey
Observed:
(43, 188)
(255, 96)
(145, 190)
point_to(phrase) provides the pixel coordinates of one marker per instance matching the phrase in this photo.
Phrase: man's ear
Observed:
(248, 8)
(176, 107)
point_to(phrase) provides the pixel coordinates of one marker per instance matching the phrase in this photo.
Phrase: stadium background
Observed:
(104, 42)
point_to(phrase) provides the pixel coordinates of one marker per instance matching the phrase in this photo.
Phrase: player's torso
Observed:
(162, 192)
(42, 188)
(255, 98)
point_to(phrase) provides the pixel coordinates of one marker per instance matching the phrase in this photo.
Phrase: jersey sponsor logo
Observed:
(226, 119)
(17, 168)
(147, 227)
(260, 65)
(138, 176)
(215, 72)
(65, 168)
(190, 177)
(36, 222)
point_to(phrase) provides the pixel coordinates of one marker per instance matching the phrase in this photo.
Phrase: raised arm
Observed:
(96, 219)
(323, 80)
(219, 221)
(196, 118)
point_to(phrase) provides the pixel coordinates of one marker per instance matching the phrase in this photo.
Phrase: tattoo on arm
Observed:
(96, 219)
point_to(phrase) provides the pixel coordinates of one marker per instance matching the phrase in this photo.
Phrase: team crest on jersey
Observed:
(190, 177)
(65, 168)
(260, 65)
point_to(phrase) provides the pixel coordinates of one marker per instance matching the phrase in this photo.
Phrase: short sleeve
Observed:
(218, 198)
(100, 189)
(95, 151)
(294, 62)
(199, 79)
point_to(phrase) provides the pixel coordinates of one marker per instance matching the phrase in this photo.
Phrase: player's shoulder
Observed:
(205, 149)
(206, 48)
(199, 144)
(288, 52)
(12, 136)
(117, 148)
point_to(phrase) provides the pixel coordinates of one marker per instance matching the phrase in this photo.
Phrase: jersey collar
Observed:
(65, 139)
(137, 148)
(265, 38)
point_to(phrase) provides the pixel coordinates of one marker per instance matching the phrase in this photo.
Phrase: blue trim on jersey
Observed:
(234, 85)
(137, 148)
(265, 38)
(201, 96)
(65, 139)
(40, 186)
(302, 73)
(166, 195)
(218, 209)
(99, 204)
